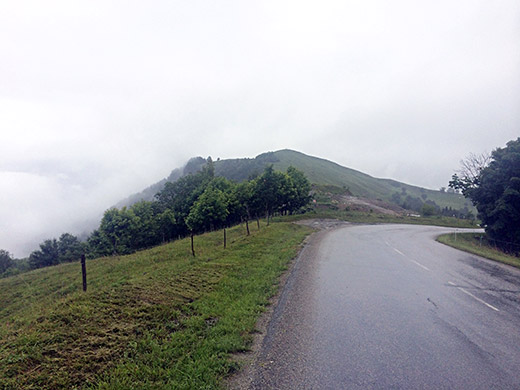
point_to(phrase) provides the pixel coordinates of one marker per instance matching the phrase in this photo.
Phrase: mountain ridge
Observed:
(319, 171)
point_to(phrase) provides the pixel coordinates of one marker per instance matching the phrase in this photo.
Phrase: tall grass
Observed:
(473, 243)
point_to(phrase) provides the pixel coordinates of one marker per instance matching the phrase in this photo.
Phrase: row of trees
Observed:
(493, 185)
(197, 203)
(428, 207)
(65, 249)
(193, 204)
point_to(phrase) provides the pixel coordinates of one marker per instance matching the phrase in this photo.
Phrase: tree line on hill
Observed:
(195, 203)
(427, 207)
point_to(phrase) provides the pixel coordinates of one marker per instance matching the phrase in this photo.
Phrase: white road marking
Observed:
(473, 296)
(413, 261)
(420, 265)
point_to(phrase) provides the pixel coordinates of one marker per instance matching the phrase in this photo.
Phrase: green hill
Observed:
(327, 173)
(320, 172)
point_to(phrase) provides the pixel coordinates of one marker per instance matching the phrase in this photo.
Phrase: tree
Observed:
(69, 248)
(196, 203)
(147, 229)
(300, 196)
(412, 203)
(495, 191)
(98, 244)
(241, 202)
(472, 165)
(286, 195)
(119, 227)
(180, 195)
(47, 255)
(427, 210)
(6, 261)
(66, 249)
(468, 176)
(209, 212)
(267, 191)
(168, 225)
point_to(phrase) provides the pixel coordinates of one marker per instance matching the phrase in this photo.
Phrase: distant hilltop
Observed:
(322, 174)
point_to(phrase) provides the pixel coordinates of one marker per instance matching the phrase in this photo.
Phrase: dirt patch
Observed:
(322, 223)
(363, 204)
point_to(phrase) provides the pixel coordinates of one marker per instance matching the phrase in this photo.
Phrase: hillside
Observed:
(156, 319)
(320, 172)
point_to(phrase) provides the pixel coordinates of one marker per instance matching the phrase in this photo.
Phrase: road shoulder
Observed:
(250, 360)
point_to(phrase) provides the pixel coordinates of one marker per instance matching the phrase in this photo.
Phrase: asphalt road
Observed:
(387, 307)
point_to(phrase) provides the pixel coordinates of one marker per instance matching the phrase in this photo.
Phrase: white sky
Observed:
(100, 99)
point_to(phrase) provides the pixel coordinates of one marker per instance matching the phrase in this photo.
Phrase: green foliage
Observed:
(167, 224)
(196, 203)
(148, 224)
(209, 212)
(244, 169)
(412, 203)
(6, 261)
(70, 248)
(98, 245)
(182, 194)
(47, 255)
(268, 191)
(495, 191)
(239, 203)
(428, 210)
(119, 227)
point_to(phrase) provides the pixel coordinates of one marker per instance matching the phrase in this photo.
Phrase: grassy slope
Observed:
(320, 171)
(470, 242)
(155, 319)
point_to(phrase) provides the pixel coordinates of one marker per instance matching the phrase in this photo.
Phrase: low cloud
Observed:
(100, 100)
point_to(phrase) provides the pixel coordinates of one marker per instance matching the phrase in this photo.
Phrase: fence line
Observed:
(505, 246)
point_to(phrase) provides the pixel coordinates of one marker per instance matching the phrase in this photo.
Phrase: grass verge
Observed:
(157, 319)
(472, 243)
(364, 217)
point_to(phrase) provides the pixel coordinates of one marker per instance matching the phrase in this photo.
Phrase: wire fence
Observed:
(509, 247)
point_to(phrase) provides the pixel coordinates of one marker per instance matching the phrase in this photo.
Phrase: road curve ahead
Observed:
(387, 307)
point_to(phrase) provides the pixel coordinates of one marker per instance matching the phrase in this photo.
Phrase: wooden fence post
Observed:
(192, 248)
(84, 272)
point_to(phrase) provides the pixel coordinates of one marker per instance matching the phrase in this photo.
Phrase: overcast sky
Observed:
(99, 99)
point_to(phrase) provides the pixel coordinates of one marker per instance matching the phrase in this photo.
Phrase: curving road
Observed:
(387, 307)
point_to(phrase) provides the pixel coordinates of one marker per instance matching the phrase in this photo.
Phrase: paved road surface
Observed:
(386, 307)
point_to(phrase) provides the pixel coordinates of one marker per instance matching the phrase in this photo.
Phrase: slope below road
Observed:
(385, 306)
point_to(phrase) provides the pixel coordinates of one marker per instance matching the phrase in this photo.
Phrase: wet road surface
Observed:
(387, 307)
